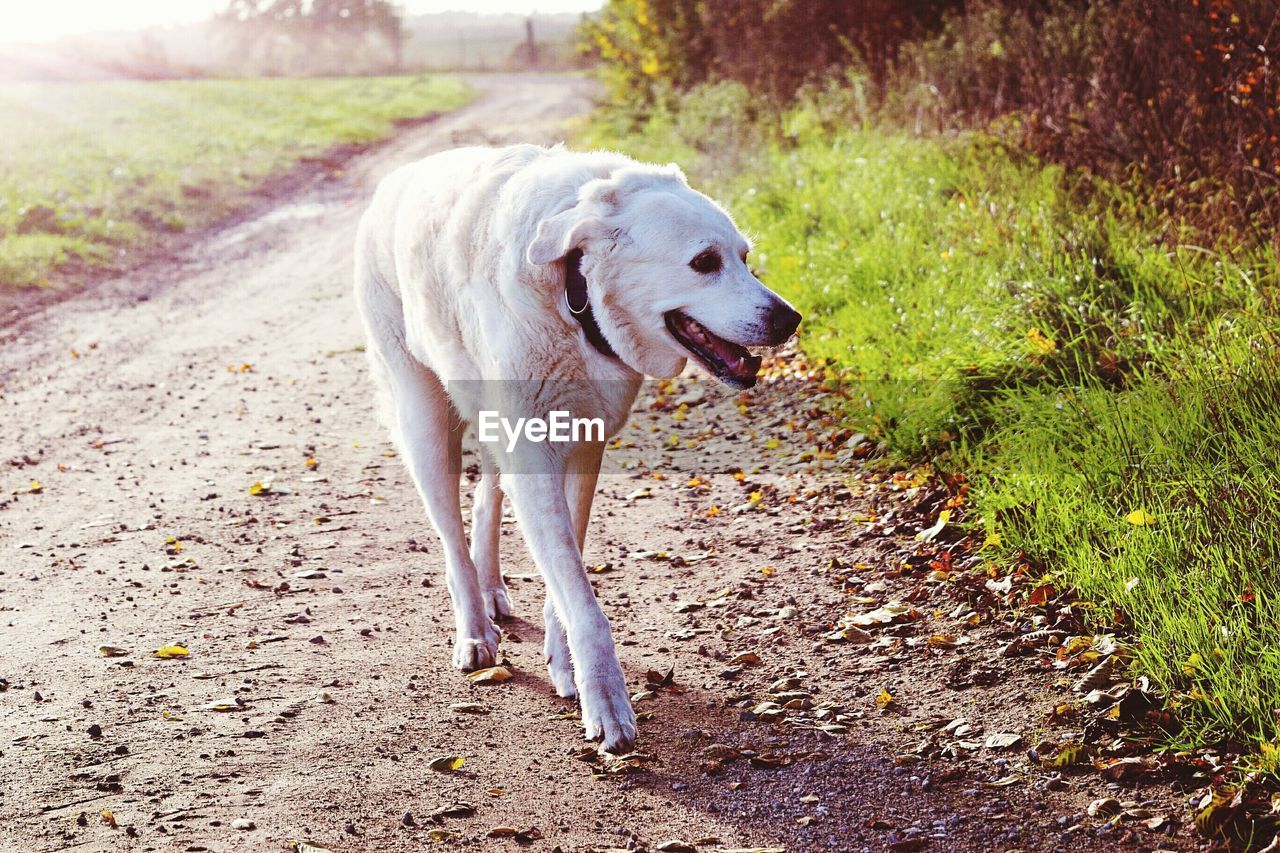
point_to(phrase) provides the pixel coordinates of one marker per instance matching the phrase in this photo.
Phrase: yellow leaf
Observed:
(489, 675)
(442, 835)
(109, 819)
(259, 488)
(1069, 754)
(768, 571)
(928, 534)
(36, 487)
(1140, 518)
(446, 763)
(1192, 663)
(713, 511)
(771, 444)
(756, 497)
(172, 652)
(1041, 343)
(883, 699)
(311, 462)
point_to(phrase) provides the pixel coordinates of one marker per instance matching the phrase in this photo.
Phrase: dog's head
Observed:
(667, 275)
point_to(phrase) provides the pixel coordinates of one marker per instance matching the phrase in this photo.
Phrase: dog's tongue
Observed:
(734, 358)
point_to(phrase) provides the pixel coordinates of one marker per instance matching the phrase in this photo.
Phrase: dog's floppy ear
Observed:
(560, 234)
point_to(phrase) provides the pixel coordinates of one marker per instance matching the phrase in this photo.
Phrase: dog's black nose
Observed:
(783, 322)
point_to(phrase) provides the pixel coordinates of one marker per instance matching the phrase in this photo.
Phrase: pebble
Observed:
(243, 823)
(406, 819)
(95, 731)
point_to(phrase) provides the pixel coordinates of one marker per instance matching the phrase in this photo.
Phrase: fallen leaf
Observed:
(443, 835)
(1003, 782)
(748, 658)
(112, 651)
(489, 675)
(1068, 754)
(458, 809)
(930, 533)
(1003, 740)
(468, 708)
(224, 706)
(1041, 343)
(1140, 518)
(174, 651)
(446, 763)
(1041, 595)
(884, 699)
(260, 488)
(721, 752)
(308, 847)
(1106, 807)
(674, 846)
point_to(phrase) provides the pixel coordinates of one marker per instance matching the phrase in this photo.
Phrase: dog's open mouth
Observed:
(731, 363)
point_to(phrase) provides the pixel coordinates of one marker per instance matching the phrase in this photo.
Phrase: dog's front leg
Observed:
(543, 512)
(580, 487)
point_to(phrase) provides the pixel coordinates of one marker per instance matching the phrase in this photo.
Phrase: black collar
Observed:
(575, 296)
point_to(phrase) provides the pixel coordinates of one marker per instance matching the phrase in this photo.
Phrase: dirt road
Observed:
(317, 690)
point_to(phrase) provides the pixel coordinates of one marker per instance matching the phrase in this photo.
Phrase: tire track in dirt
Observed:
(318, 687)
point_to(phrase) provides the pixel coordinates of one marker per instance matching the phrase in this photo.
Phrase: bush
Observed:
(652, 47)
(1185, 94)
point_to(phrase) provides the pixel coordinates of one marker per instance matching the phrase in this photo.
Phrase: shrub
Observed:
(1184, 95)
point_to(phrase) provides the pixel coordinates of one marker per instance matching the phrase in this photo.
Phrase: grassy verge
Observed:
(1110, 390)
(90, 172)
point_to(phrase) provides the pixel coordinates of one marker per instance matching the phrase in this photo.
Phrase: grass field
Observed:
(92, 172)
(1110, 389)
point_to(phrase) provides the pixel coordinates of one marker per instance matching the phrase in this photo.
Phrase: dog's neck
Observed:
(579, 302)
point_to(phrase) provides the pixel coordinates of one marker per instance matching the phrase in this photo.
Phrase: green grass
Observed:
(91, 172)
(1074, 356)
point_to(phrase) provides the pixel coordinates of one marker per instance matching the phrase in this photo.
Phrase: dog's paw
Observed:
(607, 716)
(477, 652)
(560, 668)
(497, 601)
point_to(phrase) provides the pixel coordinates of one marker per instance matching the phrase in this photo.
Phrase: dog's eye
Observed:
(707, 262)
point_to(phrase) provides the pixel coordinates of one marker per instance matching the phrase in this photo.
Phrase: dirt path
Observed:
(318, 689)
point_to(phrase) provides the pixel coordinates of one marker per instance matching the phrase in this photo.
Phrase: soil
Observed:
(316, 693)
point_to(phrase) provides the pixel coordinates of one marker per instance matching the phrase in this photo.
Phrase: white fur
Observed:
(458, 277)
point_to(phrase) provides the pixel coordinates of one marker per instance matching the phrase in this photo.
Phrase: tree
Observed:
(316, 33)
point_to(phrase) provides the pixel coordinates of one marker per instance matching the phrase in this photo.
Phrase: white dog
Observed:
(528, 280)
